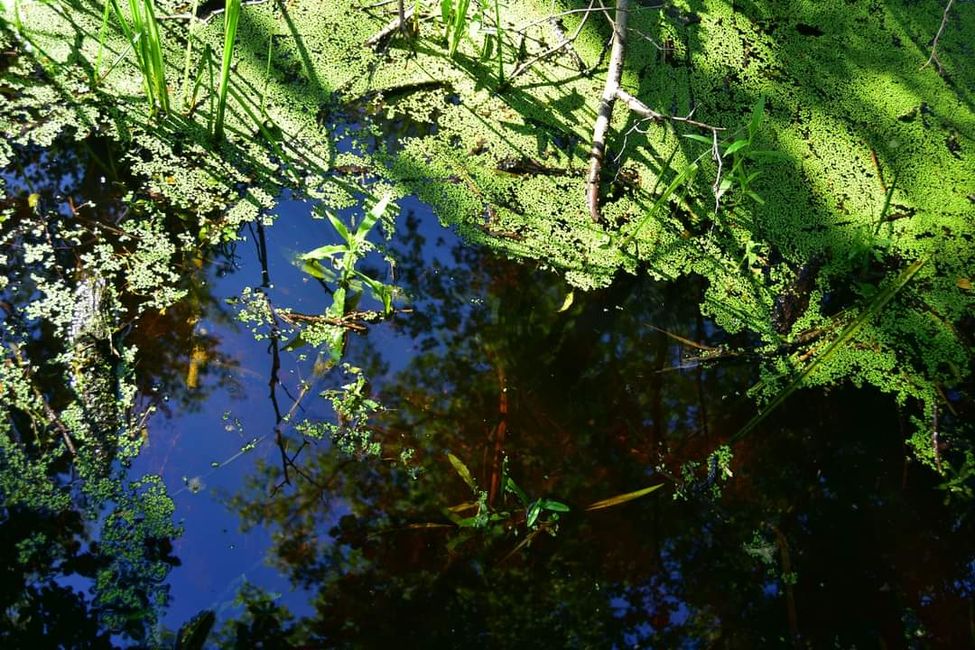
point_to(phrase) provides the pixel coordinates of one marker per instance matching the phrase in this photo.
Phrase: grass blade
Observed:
(462, 471)
(878, 303)
(231, 18)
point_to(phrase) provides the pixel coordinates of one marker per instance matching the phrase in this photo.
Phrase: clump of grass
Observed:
(231, 18)
(453, 13)
(141, 28)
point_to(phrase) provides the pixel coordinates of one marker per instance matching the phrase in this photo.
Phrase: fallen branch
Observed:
(648, 113)
(934, 45)
(396, 24)
(645, 111)
(606, 109)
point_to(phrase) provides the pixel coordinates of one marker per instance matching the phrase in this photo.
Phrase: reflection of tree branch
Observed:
(275, 349)
(351, 321)
(45, 406)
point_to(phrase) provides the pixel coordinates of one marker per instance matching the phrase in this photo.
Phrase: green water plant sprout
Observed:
(336, 265)
(141, 29)
(231, 18)
(453, 13)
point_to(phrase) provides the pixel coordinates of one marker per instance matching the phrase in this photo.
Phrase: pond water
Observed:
(817, 531)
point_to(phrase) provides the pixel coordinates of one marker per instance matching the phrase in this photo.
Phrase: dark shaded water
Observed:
(823, 534)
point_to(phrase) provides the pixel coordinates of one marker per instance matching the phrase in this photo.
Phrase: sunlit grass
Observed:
(141, 29)
(231, 18)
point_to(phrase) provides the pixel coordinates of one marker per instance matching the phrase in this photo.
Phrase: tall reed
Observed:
(141, 29)
(231, 18)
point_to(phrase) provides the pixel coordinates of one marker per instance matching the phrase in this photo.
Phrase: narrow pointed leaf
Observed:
(623, 498)
(462, 471)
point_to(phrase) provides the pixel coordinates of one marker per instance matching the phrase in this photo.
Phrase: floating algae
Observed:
(877, 166)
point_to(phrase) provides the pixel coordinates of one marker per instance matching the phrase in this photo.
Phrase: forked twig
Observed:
(934, 44)
(398, 23)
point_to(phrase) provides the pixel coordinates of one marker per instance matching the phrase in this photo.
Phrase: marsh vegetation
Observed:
(597, 324)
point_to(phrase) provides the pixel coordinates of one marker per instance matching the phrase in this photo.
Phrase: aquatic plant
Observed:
(453, 15)
(141, 30)
(336, 265)
(231, 18)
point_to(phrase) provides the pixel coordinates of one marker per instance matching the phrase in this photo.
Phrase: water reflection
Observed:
(823, 533)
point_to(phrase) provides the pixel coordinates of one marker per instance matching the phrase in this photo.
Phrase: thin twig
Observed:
(610, 91)
(565, 41)
(395, 25)
(645, 111)
(934, 44)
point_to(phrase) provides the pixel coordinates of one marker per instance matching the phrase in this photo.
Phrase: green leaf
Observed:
(512, 487)
(554, 506)
(699, 138)
(534, 510)
(462, 470)
(623, 498)
(337, 308)
(323, 251)
(758, 115)
(380, 291)
(737, 145)
(294, 343)
(340, 228)
(315, 269)
(567, 302)
(767, 154)
(372, 217)
(756, 197)
(686, 175)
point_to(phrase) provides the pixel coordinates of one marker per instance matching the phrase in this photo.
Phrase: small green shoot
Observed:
(231, 18)
(143, 33)
(335, 264)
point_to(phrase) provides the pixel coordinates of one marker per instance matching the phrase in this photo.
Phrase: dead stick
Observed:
(643, 110)
(395, 24)
(565, 41)
(934, 45)
(606, 109)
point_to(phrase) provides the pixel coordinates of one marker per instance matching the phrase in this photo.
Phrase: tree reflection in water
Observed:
(825, 534)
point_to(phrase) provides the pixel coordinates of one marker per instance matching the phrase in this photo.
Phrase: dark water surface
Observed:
(823, 534)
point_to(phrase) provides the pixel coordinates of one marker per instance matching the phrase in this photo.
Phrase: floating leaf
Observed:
(567, 302)
(623, 498)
